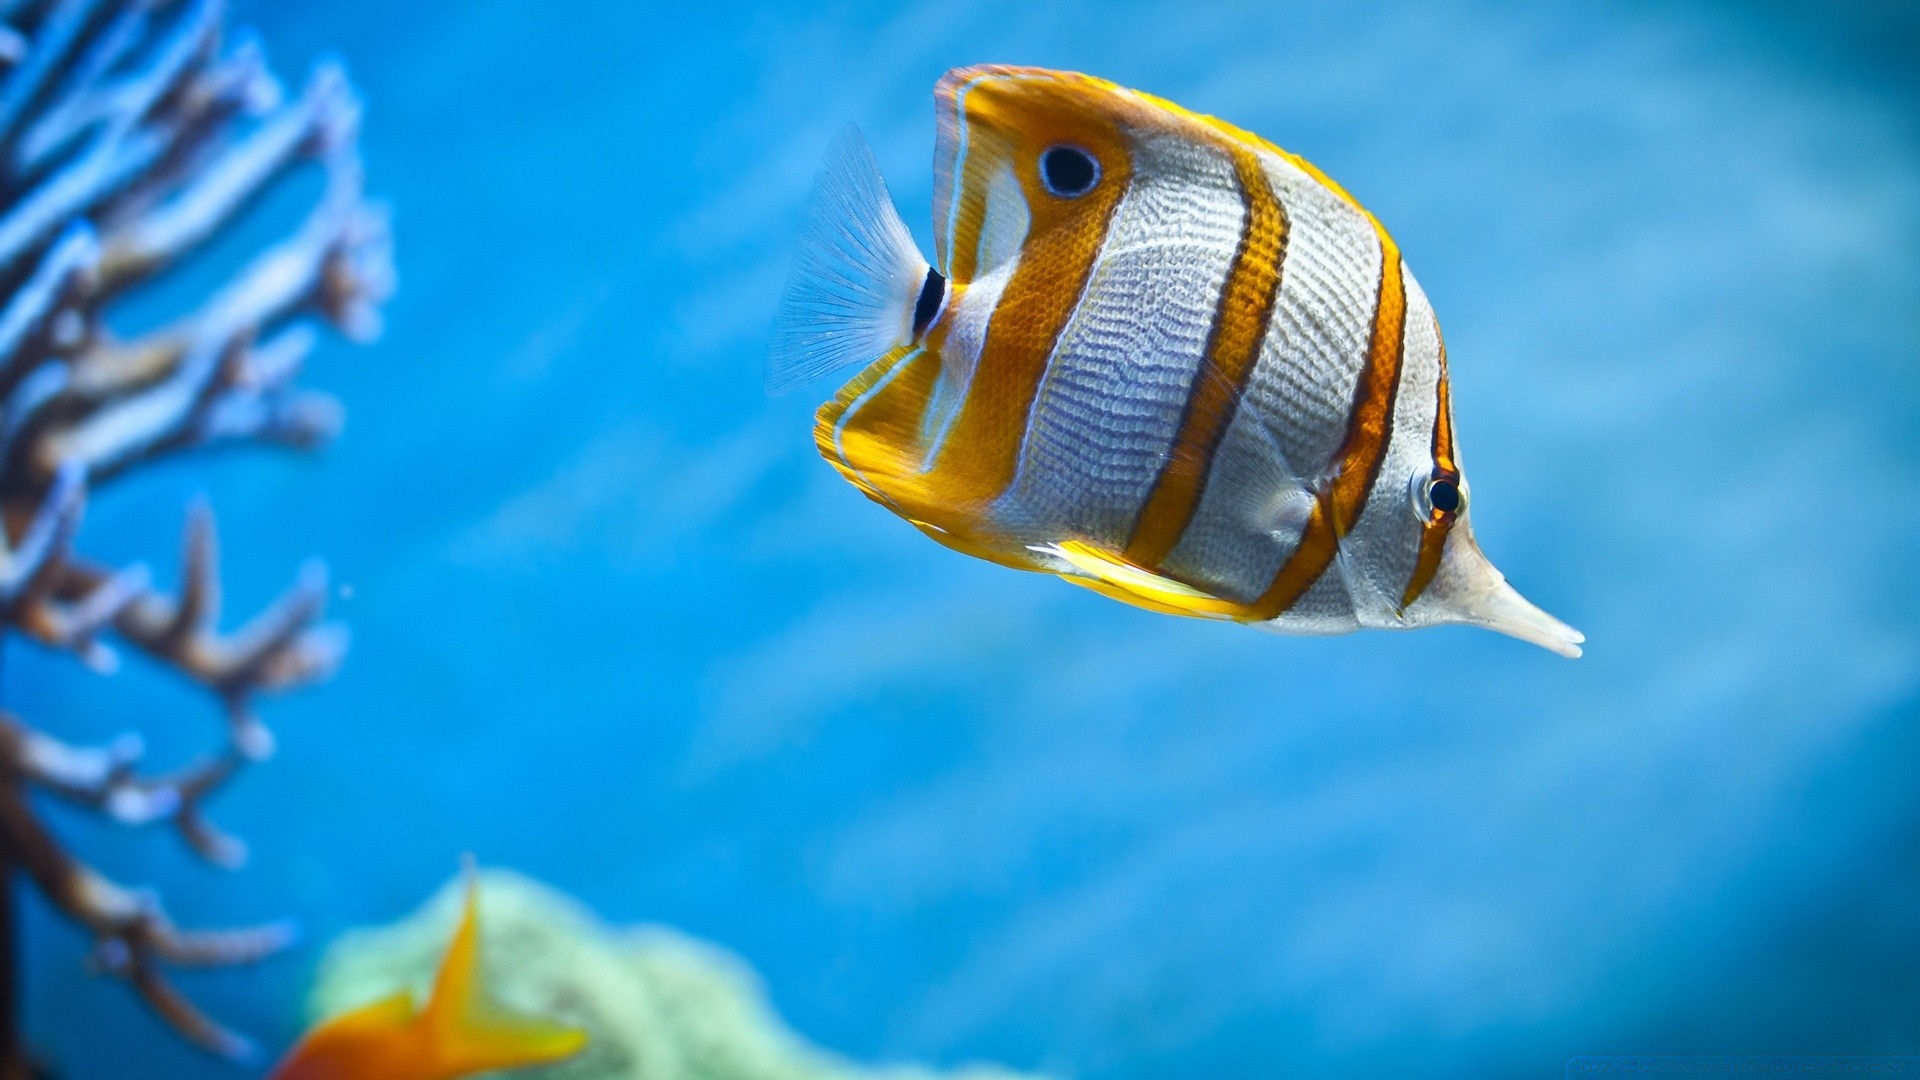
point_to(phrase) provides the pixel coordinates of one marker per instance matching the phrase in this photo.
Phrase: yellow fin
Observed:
(1113, 576)
(472, 1033)
(390, 1012)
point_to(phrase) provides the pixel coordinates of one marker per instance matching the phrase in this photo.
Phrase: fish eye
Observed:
(1437, 496)
(1069, 171)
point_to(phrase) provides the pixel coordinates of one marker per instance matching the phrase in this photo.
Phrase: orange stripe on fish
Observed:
(871, 432)
(1370, 422)
(1369, 425)
(981, 453)
(1433, 531)
(979, 133)
(1239, 328)
(877, 443)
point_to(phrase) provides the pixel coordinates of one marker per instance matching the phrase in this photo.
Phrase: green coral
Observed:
(657, 1004)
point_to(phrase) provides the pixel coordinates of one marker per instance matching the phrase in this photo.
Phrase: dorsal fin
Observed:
(471, 1033)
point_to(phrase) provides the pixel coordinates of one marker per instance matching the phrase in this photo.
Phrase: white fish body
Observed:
(1156, 355)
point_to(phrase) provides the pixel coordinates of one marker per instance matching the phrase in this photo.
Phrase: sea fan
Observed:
(131, 132)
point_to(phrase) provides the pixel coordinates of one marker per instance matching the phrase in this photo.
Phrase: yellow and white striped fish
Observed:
(1159, 357)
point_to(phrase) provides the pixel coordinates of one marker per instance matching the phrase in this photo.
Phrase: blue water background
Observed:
(617, 626)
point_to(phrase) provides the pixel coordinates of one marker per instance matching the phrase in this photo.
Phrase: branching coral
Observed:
(132, 131)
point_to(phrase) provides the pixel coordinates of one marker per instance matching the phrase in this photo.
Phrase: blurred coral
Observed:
(131, 132)
(656, 1005)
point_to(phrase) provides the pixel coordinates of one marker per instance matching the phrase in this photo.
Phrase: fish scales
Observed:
(1292, 417)
(1116, 386)
(1383, 551)
(1313, 354)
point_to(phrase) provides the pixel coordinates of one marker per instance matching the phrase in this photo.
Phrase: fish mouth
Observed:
(1469, 589)
(1502, 609)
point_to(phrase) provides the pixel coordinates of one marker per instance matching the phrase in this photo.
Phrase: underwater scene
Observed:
(512, 515)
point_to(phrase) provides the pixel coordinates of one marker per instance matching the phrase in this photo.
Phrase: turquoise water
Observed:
(617, 626)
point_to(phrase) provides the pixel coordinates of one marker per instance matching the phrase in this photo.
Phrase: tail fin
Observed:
(473, 1034)
(856, 275)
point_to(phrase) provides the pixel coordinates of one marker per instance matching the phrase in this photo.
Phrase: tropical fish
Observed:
(1155, 355)
(458, 1033)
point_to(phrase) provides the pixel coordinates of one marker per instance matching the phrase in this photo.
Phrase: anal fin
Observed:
(1113, 576)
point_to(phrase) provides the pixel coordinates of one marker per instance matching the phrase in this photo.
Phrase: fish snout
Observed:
(1468, 589)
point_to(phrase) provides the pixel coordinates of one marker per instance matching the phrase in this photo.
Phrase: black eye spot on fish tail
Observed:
(1444, 495)
(1069, 171)
(932, 291)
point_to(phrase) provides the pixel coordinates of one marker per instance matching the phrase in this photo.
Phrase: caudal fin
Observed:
(856, 275)
(472, 1033)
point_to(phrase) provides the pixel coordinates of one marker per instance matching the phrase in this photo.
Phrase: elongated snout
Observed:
(1468, 589)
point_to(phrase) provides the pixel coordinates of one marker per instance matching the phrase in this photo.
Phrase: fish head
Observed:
(1466, 588)
(1451, 580)
(1410, 559)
